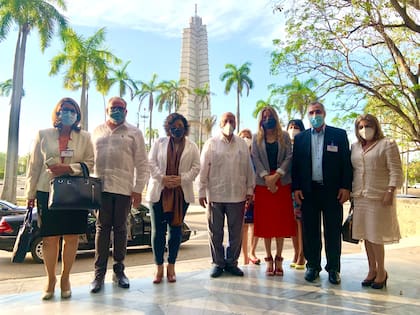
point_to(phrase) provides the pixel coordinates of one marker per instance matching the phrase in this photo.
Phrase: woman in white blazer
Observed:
(174, 164)
(57, 151)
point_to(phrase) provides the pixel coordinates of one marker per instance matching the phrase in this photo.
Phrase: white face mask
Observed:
(293, 133)
(367, 133)
(248, 142)
(228, 129)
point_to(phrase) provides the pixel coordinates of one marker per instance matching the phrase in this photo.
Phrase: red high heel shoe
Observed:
(279, 267)
(270, 270)
(255, 261)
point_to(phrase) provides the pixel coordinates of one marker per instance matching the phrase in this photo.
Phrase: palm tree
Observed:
(209, 123)
(123, 79)
(260, 105)
(6, 87)
(152, 134)
(240, 79)
(28, 15)
(173, 92)
(202, 97)
(147, 90)
(298, 96)
(87, 61)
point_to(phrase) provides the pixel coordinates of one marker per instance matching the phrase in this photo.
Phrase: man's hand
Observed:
(135, 199)
(298, 197)
(203, 201)
(343, 195)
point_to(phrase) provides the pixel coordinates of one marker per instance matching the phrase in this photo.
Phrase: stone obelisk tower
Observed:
(195, 74)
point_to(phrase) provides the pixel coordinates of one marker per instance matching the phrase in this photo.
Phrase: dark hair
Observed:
(169, 121)
(56, 120)
(374, 121)
(296, 122)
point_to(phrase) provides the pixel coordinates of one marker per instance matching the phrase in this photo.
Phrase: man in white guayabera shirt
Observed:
(226, 182)
(121, 163)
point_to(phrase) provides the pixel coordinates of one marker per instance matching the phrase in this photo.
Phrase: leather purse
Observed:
(23, 239)
(347, 228)
(75, 192)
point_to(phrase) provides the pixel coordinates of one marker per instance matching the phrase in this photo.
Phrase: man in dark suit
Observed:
(321, 181)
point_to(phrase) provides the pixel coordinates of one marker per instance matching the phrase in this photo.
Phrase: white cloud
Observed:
(224, 18)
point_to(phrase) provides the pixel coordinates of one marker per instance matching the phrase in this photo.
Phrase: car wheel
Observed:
(36, 250)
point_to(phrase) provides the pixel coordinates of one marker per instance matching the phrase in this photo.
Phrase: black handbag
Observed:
(23, 239)
(75, 192)
(347, 228)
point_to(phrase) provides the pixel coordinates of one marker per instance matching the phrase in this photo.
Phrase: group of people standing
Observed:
(282, 180)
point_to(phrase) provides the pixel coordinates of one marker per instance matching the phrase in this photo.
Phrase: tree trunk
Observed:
(200, 130)
(238, 115)
(83, 104)
(12, 157)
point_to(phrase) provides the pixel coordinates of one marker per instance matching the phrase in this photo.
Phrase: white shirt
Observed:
(120, 158)
(226, 173)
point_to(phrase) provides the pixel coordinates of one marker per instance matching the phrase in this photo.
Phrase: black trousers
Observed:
(321, 201)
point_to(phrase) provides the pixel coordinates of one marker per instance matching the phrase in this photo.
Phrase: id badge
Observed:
(67, 153)
(332, 148)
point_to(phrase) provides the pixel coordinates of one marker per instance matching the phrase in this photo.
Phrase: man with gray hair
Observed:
(226, 182)
(121, 163)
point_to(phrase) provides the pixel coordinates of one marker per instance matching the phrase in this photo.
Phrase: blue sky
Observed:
(148, 34)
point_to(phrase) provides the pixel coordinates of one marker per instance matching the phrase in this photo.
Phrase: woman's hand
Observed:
(171, 181)
(59, 169)
(270, 181)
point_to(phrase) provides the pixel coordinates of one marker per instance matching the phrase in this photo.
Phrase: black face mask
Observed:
(270, 123)
(177, 132)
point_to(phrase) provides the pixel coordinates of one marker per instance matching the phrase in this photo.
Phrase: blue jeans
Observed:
(160, 223)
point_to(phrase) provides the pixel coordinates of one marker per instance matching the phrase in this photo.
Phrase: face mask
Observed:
(117, 116)
(316, 121)
(270, 123)
(177, 132)
(67, 118)
(293, 133)
(367, 133)
(228, 129)
(248, 142)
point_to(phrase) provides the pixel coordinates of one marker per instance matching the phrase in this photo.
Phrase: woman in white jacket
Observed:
(58, 151)
(174, 164)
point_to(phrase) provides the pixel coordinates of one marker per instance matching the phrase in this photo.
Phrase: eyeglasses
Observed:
(68, 110)
(117, 108)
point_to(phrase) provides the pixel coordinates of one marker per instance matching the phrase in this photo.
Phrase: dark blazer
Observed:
(260, 160)
(336, 166)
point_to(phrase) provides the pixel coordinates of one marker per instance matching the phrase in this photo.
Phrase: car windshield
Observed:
(9, 204)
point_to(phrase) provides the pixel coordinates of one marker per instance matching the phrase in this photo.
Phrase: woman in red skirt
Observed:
(273, 209)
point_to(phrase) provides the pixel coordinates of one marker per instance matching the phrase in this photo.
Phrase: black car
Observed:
(8, 208)
(139, 231)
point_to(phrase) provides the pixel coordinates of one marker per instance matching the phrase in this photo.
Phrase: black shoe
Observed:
(311, 274)
(334, 277)
(216, 272)
(234, 270)
(119, 276)
(96, 285)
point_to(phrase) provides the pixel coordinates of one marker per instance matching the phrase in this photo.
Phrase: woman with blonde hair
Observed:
(377, 173)
(273, 210)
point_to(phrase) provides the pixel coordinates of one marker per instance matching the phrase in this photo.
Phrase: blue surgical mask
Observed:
(67, 118)
(116, 116)
(270, 123)
(317, 121)
(177, 132)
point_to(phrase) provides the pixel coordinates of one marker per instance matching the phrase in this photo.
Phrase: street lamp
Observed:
(144, 117)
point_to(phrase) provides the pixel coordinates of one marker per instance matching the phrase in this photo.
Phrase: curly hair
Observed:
(170, 120)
